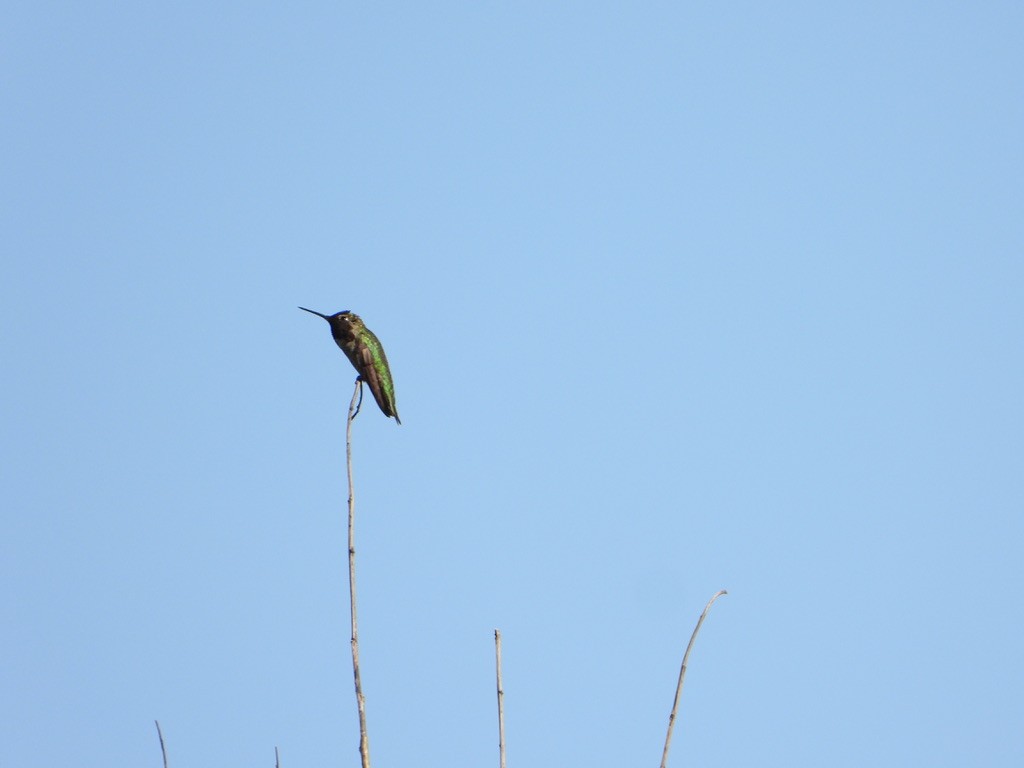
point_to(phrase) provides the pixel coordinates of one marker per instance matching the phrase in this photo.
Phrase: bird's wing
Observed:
(369, 374)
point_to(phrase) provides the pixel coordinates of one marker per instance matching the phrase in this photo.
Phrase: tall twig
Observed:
(364, 739)
(277, 759)
(163, 749)
(501, 698)
(682, 674)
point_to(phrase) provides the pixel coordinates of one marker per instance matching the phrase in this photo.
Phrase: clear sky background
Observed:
(677, 297)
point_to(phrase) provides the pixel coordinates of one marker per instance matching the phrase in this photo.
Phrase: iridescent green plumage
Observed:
(365, 352)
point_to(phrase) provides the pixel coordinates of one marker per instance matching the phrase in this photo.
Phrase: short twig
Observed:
(682, 674)
(163, 749)
(277, 759)
(364, 739)
(501, 699)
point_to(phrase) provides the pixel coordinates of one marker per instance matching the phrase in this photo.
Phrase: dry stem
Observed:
(163, 749)
(682, 674)
(364, 739)
(501, 698)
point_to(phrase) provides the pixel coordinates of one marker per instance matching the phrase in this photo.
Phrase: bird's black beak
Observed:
(314, 312)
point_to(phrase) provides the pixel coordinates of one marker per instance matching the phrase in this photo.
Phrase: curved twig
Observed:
(163, 749)
(682, 674)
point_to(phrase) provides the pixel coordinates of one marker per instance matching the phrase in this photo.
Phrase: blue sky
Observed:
(677, 297)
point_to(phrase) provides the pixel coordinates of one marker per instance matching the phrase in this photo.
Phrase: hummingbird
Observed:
(363, 349)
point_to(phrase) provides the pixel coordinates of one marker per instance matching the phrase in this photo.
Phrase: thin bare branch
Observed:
(364, 739)
(501, 699)
(682, 674)
(277, 759)
(163, 749)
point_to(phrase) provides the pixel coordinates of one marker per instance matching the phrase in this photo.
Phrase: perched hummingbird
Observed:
(365, 352)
